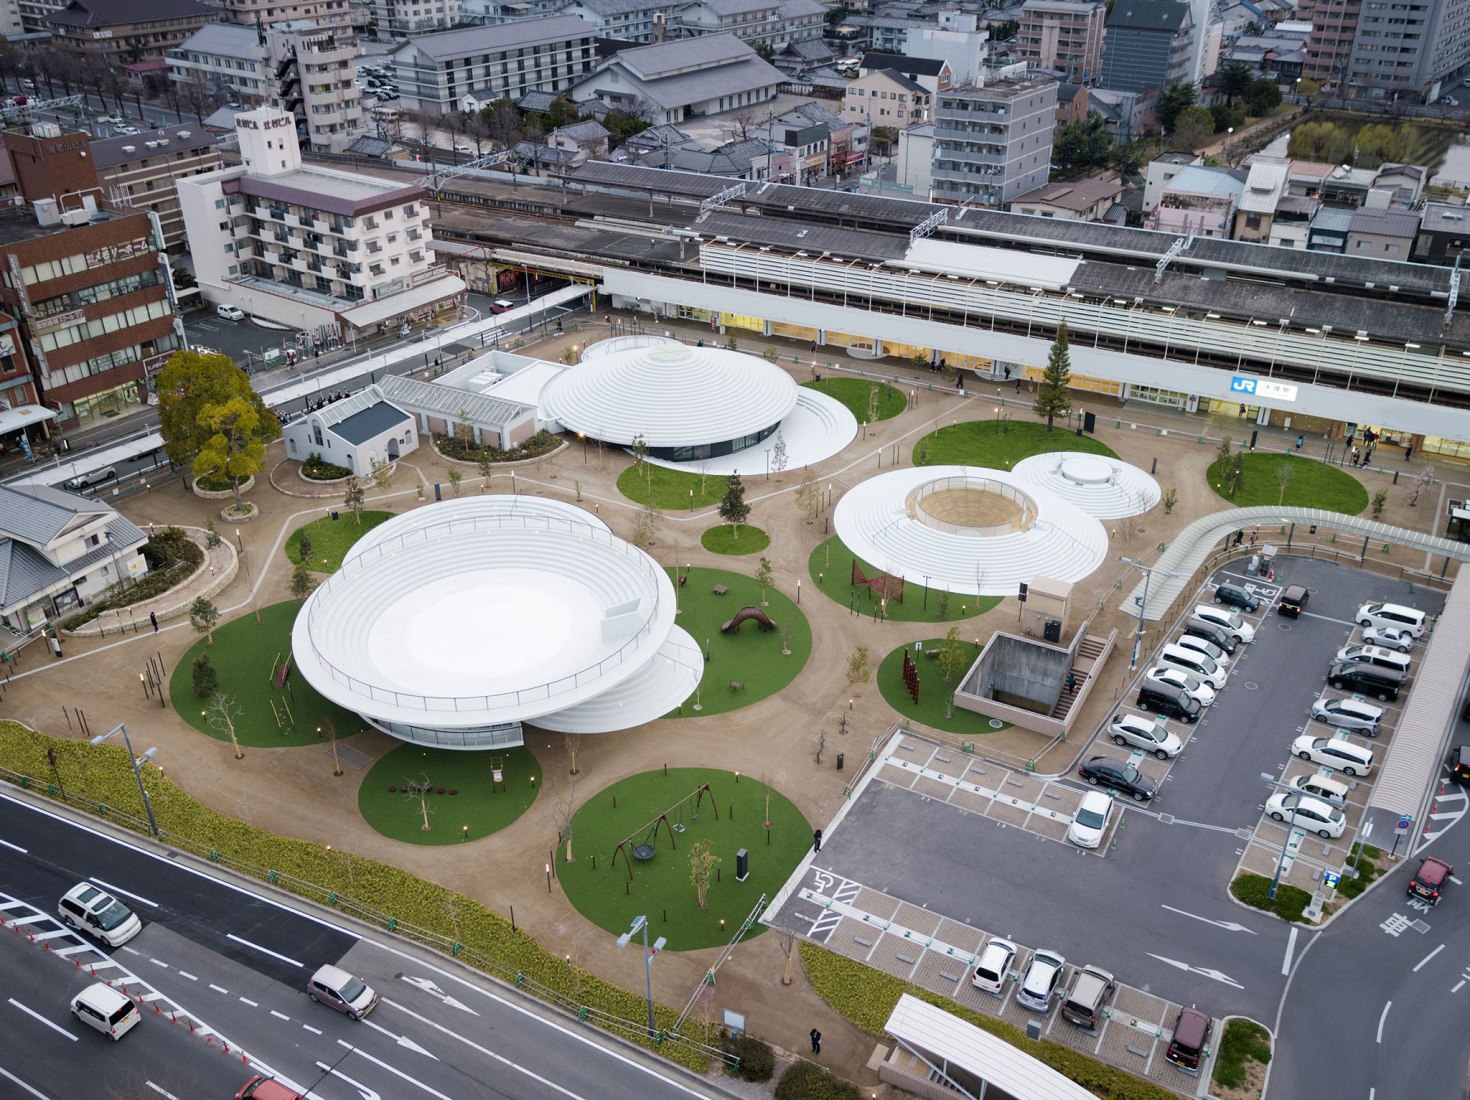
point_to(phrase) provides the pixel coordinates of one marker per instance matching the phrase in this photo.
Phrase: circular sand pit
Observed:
(971, 506)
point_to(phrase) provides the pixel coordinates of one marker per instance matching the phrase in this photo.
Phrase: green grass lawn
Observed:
(751, 655)
(830, 566)
(660, 887)
(668, 490)
(470, 812)
(331, 539)
(856, 394)
(724, 540)
(1310, 484)
(934, 693)
(984, 443)
(243, 655)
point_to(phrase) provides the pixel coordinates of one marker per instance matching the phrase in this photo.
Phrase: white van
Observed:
(1227, 620)
(1376, 655)
(101, 1007)
(1410, 619)
(1192, 660)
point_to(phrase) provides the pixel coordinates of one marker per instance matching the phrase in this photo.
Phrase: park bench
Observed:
(721, 589)
(737, 685)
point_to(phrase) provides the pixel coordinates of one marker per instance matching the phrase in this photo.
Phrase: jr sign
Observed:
(1262, 387)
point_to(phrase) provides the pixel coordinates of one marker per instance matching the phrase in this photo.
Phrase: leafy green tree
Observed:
(764, 576)
(1320, 141)
(304, 547)
(206, 679)
(203, 616)
(189, 382)
(1309, 89)
(1226, 117)
(235, 447)
(1082, 146)
(354, 498)
(301, 582)
(1052, 397)
(952, 655)
(562, 112)
(1233, 81)
(1005, 30)
(1191, 131)
(1264, 96)
(1173, 102)
(733, 509)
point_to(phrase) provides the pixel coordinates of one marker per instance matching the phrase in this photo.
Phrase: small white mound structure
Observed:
(612, 346)
(818, 428)
(968, 529)
(1107, 488)
(467, 615)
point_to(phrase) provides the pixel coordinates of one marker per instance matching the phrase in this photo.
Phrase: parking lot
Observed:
(940, 849)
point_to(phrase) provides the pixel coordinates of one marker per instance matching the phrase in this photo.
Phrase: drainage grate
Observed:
(350, 757)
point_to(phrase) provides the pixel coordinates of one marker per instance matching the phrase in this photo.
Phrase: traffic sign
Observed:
(1330, 878)
(1405, 820)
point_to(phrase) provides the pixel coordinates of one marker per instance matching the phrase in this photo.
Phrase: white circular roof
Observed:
(673, 396)
(615, 344)
(484, 610)
(1103, 487)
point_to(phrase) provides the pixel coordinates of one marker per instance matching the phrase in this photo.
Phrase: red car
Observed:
(1430, 881)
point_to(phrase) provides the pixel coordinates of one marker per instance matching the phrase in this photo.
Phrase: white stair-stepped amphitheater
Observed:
(1107, 488)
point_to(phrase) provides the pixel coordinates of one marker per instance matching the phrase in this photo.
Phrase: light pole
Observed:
(1148, 573)
(138, 775)
(1291, 828)
(640, 923)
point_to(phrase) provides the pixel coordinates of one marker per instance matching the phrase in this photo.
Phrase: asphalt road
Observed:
(234, 966)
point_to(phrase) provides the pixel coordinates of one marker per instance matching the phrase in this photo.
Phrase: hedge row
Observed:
(809, 1081)
(104, 778)
(867, 997)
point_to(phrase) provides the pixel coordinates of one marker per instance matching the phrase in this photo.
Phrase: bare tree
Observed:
(330, 729)
(502, 123)
(477, 129)
(220, 712)
(563, 810)
(821, 747)
(198, 97)
(787, 940)
(573, 742)
(418, 791)
(741, 123)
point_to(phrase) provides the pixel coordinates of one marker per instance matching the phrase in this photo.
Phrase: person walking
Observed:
(56, 645)
(153, 618)
(1356, 454)
(1299, 441)
(816, 1041)
(1408, 451)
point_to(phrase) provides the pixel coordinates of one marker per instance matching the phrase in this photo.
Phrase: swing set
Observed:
(633, 848)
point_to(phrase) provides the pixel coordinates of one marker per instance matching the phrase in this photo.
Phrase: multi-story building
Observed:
(24, 421)
(1065, 36)
(1198, 201)
(993, 142)
(627, 20)
(295, 65)
(466, 68)
(263, 13)
(1376, 51)
(1330, 45)
(88, 281)
(10, 24)
(883, 97)
(401, 18)
(1149, 44)
(335, 254)
(773, 23)
(141, 171)
(116, 32)
(672, 81)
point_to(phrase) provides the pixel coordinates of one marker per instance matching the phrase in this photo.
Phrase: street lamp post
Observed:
(138, 775)
(1291, 828)
(1148, 573)
(640, 923)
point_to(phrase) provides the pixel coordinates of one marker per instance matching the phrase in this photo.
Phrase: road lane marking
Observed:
(1290, 947)
(12, 1077)
(124, 893)
(36, 1015)
(186, 974)
(263, 950)
(161, 1090)
(218, 988)
(398, 1072)
(1386, 1006)
(14, 847)
(1229, 926)
(401, 1040)
(1427, 957)
(280, 1015)
(51, 935)
(1458, 984)
(159, 962)
(248, 1001)
(367, 1093)
(313, 1030)
(1218, 975)
(65, 951)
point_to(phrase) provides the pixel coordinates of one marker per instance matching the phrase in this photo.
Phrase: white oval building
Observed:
(456, 622)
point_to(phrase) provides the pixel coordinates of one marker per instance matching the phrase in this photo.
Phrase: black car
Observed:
(1120, 775)
(1234, 596)
(1211, 633)
(1381, 683)
(1168, 702)
(1459, 763)
(1293, 599)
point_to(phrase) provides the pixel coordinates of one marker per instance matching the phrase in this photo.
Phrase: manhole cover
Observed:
(996, 724)
(1251, 685)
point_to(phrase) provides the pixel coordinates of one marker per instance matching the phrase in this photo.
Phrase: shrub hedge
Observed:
(318, 468)
(809, 1081)
(467, 450)
(757, 1060)
(1290, 902)
(1367, 868)
(102, 777)
(867, 997)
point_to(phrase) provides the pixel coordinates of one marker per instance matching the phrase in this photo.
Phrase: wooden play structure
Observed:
(643, 850)
(748, 612)
(884, 586)
(910, 676)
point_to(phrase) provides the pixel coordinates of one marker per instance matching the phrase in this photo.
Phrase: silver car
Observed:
(1348, 714)
(1043, 979)
(1145, 733)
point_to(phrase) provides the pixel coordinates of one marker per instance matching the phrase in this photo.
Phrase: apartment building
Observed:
(117, 32)
(773, 23)
(333, 253)
(263, 13)
(24, 421)
(627, 20)
(401, 18)
(1149, 44)
(466, 68)
(1064, 36)
(886, 98)
(993, 142)
(141, 171)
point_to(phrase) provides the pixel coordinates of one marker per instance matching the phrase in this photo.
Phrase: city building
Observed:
(1086, 200)
(956, 38)
(643, 21)
(1444, 234)
(227, 56)
(402, 18)
(1148, 44)
(59, 552)
(24, 421)
(933, 74)
(769, 23)
(361, 432)
(1330, 45)
(1387, 234)
(1199, 201)
(1063, 36)
(1072, 103)
(263, 13)
(142, 170)
(467, 68)
(884, 97)
(993, 142)
(335, 254)
(1409, 52)
(675, 80)
(112, 33)
(10, 22)
(89, 282)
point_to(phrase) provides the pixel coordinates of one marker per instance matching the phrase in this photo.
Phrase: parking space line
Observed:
(1290, 947)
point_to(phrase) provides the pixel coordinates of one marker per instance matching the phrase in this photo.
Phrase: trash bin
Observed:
(839, 760)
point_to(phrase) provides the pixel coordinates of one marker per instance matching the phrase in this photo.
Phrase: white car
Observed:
(1348, 714)
(88, 478)
(229, 313)
(1389, 637)
(111, 120)
(1144, 733)
(1193, 661)
(92, 909)
(994, 966)
(1334, 752)
(1205, 646)
(1090, 822)
(1180, 680)
(1376, 655)
(1043, 978)
(1227, 620)
(1392, 614)
(1305, 812)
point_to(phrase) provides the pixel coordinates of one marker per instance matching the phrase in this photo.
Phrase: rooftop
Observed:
(1148, 15)
(110, 152)
(925, 66)
(325, 189)
(222, 40)
(1079, 196)
(497, 37)
(112, 13)
(19, 225)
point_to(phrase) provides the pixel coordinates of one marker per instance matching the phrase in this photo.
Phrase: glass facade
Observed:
(712, 450)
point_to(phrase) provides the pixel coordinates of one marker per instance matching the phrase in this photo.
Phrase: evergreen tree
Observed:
(733, 509)
(1052, 397)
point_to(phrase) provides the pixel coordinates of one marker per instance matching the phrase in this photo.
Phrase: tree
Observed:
(564, 811)
(1233, 81)
(382, 472)
(203, 616)
(301, 581)
(1235, 473)
(1173, 102)
(859, 666)
(640, 458)
(875, 395)
(1226, 117)
(733, 509)
(809, 497)
(418, 791)
(1284, 473)
(1379, 502)
(205, 677)
(778, 453)
(646, 525)
(502, 123)
(1264, 96)
(764, 576)
(573, 743)
(702, 864)
(1052, 398)
(221, 712)
(199, 97)
(952, 655)
(455, 477)
(1310, 89)
(190, 383)
(304, 547)
(330, 729)
(1192, 130)
(1419, 484)
(1082, 146)
(354, 497)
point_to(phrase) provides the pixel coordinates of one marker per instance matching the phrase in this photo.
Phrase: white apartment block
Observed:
(10, 24)
(775, 23)
(262, 13)
(629, 20)
(302, 68)
(401, 18)
(465, 69)
(335, 254)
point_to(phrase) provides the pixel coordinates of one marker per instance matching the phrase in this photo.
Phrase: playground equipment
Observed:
(884, 586)
(643, 850)
(748, 612)
(497, 774)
